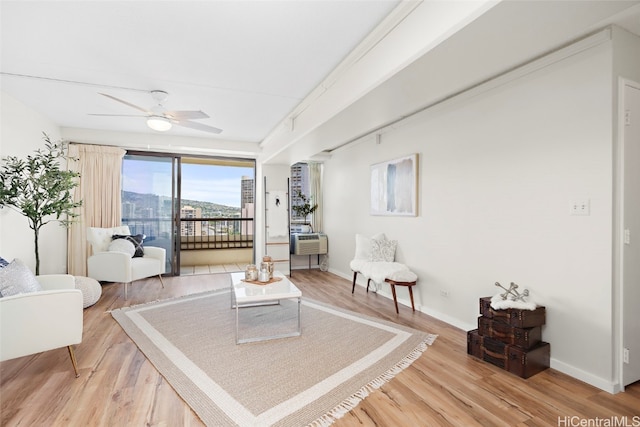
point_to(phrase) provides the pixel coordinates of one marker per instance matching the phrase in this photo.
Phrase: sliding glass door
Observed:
(216, 214)
(148, 200)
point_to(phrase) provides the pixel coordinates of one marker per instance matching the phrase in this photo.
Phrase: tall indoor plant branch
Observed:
(39, 189)
(303, 208)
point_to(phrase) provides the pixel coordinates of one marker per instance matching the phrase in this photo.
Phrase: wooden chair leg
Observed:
(126, 291)
(368, 282)
(411, 295)
(395, 298)
(353, 288)
(161, 281)
(73, 360)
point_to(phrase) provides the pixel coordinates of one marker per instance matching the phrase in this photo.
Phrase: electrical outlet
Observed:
(580, 207)
(444, 293)
(625, 355)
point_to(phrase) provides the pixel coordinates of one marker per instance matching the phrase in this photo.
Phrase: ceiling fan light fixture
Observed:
(158, 123)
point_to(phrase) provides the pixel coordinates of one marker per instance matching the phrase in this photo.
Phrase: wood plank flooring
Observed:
(444, 387)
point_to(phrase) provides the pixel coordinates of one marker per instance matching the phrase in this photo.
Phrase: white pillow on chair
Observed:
(364, 245)
(383, 250)
(122, 245)
(16, 278)
(100, 238)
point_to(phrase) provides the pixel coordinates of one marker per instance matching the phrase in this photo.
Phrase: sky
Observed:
(206, 183)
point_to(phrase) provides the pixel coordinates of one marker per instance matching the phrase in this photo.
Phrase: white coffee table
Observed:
(245, 294)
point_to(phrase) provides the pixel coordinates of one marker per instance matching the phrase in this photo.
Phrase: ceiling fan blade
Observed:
(126, 103)
(187, 115)
(198, 126)
(118, 115)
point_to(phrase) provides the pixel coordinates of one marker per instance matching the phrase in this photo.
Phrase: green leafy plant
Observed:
(303, 208)
(39, 189)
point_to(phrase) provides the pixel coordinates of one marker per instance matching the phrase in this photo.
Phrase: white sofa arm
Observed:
(39, 321)
(56, 281)
(155, 252)
(110, 266)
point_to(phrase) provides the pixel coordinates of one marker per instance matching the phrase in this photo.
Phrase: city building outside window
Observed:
(299, 185)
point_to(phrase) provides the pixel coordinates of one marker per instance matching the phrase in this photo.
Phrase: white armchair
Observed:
(44, 320)
(108, 266)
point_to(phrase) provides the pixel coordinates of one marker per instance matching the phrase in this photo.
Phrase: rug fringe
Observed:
(431, 338)
(354, 400)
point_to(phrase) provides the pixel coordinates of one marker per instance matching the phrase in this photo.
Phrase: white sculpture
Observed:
(511, 298)
(512, 293)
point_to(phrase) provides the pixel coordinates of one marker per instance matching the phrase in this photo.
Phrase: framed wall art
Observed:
(394, 187)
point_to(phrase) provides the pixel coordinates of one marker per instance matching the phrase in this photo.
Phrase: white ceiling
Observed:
(246, 64)
(252, 65)
(478, 47)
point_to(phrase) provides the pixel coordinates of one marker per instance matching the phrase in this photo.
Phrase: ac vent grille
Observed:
(309, 244)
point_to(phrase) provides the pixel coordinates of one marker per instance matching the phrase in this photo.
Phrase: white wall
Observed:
(497, 175)
(20, 135)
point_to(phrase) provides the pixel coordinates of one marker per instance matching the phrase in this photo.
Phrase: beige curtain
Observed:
(315, 187)
(100, 171)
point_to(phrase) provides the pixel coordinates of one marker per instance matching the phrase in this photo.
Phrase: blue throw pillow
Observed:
(3, 262)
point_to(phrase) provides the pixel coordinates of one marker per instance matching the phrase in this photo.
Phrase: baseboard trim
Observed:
(438, 315)
(601, 383)
(609, 386)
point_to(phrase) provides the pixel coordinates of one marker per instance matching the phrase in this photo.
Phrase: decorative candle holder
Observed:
(263, 275)
(251, 272)
(267, 264)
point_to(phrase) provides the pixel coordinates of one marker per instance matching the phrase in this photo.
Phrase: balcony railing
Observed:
(196, 233)
(216, 233)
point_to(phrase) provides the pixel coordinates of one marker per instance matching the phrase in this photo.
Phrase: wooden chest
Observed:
(474, 344)
(510, 339)
(525, 338)
(514, 359)
(513, 316)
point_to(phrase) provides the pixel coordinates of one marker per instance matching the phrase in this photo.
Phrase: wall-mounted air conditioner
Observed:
(309, 244)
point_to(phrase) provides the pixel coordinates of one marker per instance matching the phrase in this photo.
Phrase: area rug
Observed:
(312, 379)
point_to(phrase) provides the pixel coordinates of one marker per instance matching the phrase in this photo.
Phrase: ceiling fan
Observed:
(161, 119)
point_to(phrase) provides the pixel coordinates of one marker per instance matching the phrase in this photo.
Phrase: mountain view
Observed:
(137, 205)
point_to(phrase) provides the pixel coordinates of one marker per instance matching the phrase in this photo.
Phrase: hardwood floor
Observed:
(444, 387)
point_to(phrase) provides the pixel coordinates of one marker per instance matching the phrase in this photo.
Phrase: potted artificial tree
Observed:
(303, 208)
(39, 189)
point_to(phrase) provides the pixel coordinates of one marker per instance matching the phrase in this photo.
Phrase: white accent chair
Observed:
(118, 266)
(39, 321)
(375, 260)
